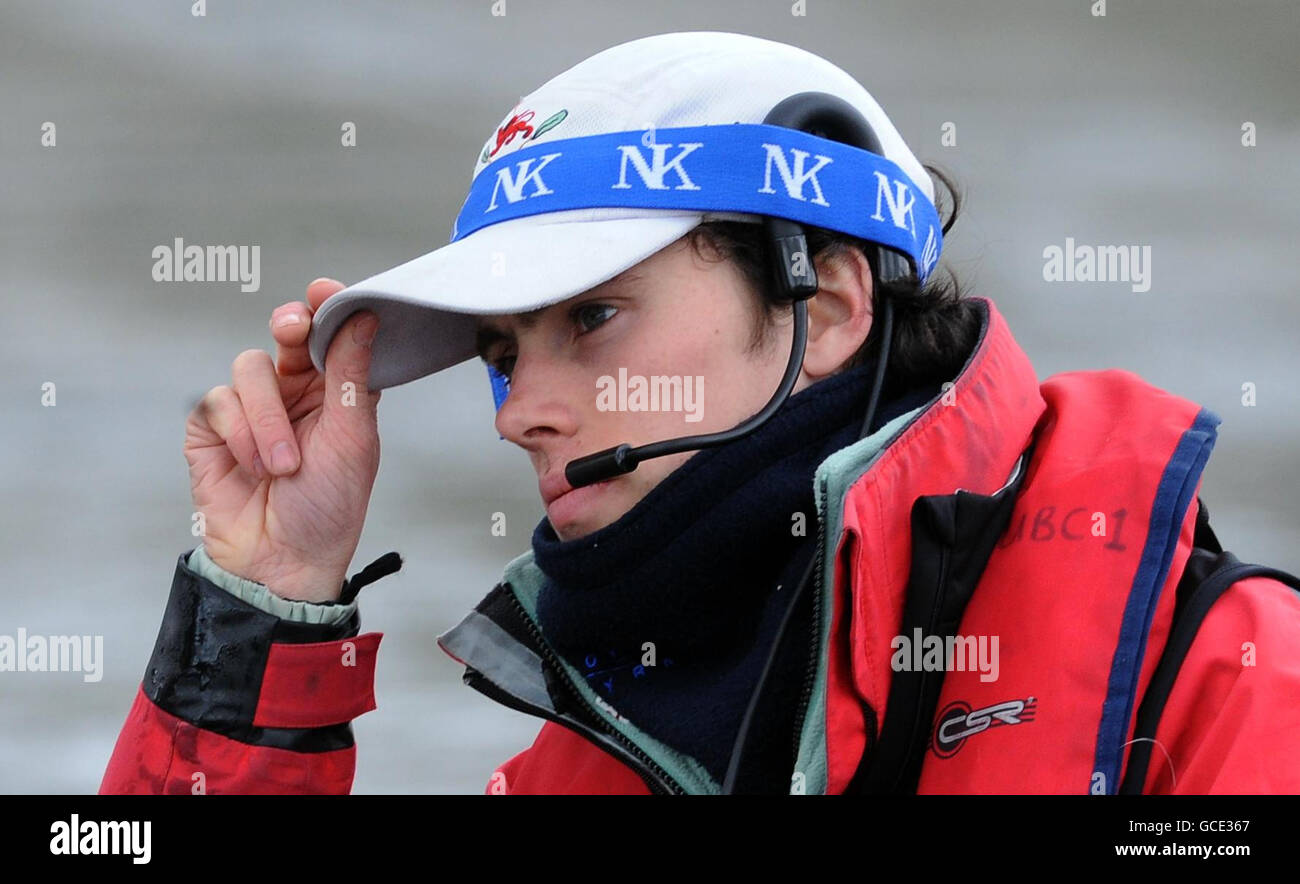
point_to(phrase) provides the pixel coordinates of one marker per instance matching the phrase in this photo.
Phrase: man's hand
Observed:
(283, 460)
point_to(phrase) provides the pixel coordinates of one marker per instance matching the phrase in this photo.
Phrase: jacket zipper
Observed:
(810, 671)
(925, 675)
(660, 781)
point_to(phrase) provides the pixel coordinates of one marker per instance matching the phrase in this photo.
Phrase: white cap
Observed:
(427, 306)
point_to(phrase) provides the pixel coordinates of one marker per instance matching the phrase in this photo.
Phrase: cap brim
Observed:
(427, 307)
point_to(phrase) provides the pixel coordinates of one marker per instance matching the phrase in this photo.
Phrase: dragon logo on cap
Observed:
(519, 124)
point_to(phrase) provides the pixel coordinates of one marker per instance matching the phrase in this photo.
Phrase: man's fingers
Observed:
(320, 289)
(220, 410)
(290, 324)
(254, 381)
(347, 370)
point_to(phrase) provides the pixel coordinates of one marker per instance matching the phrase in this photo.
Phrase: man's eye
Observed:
(503, 364)
(590, 316)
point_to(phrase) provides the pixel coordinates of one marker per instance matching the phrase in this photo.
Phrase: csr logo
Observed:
(958, 722)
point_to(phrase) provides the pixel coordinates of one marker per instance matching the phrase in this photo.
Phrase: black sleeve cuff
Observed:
(210, 655)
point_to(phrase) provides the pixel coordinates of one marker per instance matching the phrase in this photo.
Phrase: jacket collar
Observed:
(970, 438)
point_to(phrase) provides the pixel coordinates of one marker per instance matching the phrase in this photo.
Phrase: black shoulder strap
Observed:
(1210, 570)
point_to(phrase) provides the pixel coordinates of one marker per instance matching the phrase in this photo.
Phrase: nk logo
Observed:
(524, 173)
(758, 176)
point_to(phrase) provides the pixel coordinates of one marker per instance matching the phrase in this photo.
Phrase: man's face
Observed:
(575, 368)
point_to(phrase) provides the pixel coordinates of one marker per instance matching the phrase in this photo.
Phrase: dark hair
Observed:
(934, 328)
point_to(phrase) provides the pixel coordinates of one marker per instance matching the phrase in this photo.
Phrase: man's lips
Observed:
(553, 486)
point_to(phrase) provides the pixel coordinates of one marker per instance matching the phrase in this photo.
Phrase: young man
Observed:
(924, 571)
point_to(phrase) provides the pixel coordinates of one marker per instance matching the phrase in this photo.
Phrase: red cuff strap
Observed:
(318, 684)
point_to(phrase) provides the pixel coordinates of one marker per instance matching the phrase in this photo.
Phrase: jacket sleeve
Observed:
(236, 699)
(260, 596)
(1231, 720)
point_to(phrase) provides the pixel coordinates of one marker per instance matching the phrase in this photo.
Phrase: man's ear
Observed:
(839, 315)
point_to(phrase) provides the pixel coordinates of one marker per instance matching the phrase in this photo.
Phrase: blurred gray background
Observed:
(225, 129)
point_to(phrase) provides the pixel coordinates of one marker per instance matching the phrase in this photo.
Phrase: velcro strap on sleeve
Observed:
(319, 683)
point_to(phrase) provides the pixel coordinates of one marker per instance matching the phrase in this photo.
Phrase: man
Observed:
(924, 571)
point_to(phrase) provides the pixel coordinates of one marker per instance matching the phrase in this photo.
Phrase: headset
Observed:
(826, 116)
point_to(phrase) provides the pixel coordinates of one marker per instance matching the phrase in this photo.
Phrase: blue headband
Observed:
(752, 168)
(743, 167)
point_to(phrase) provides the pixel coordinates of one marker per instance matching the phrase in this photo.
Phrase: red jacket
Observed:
(1041, 536)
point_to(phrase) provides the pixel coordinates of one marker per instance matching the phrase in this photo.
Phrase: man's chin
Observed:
(576, 530)
(582, 511)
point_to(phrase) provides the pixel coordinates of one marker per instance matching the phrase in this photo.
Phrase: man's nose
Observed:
(539, 405)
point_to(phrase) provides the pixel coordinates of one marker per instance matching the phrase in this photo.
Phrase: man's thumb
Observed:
(347, 369)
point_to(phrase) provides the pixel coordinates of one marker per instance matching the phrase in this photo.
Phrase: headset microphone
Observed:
(823, 115)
